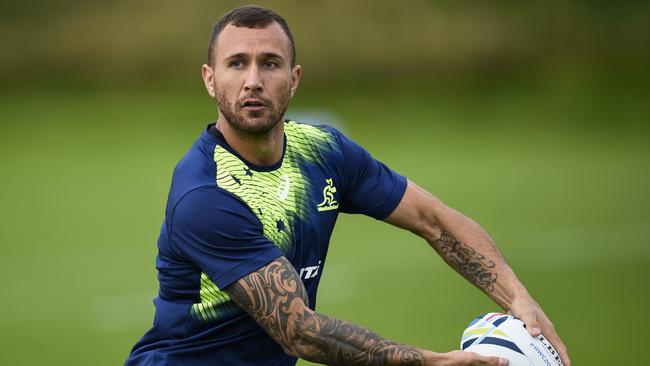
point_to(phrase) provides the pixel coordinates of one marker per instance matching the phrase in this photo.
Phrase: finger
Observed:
(554, 338)
(473, 358)
(532, 324)
(493, 361)
(564, 355)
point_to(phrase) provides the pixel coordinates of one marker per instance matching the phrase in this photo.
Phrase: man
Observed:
(250, 212)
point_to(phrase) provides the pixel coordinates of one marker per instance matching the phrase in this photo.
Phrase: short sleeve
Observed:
(220, 234)
(371, 188)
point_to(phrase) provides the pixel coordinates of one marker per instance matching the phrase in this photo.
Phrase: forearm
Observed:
(460, 241)
(470, 250)
(276, 299)
(467, 248)
(332, 341)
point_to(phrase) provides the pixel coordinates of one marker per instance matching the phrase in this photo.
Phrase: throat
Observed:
(260, 150)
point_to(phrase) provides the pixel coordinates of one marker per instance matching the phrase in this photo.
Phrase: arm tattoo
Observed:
(466, 260)
(276, 298)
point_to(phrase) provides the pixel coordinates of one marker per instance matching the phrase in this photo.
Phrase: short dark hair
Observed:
(249, 16)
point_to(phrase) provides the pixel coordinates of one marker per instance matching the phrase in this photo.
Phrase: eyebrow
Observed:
(265, 55)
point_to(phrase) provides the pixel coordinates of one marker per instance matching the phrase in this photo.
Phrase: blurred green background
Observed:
(531, 118)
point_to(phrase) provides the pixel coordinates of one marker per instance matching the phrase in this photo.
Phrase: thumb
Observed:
(497, 361)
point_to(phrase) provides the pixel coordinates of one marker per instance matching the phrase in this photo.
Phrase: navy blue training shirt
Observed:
(226, 218)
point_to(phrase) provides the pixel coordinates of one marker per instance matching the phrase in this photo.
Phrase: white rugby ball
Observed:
(496, 334)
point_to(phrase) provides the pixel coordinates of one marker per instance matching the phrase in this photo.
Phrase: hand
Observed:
(529, 312)
(462, 358)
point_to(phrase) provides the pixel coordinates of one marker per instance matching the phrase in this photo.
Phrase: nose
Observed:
(253, 82)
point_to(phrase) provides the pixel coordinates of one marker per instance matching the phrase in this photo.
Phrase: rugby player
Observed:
(250, 212)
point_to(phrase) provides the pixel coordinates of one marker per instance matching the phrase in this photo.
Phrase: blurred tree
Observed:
(119, 41)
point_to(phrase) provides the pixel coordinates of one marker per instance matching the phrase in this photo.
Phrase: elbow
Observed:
(428, 226)
(292, 351)
(307, 342)
(300, 346)
(302, 337)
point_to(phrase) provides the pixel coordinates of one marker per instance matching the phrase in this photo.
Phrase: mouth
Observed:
(252, 104)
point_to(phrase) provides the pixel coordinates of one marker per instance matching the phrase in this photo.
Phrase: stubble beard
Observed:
(241, 120)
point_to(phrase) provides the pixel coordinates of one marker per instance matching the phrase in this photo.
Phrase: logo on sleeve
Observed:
(329, 203)
(309, 272)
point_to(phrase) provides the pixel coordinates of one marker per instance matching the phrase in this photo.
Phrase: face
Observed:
(252, 79)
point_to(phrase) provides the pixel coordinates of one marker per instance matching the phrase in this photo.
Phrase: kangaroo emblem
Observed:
(329, 203)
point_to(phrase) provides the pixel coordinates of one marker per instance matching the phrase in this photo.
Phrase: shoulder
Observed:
(209, 216)
(195, 171)
(196, 167)
(315, 134)
(313, 141)
(210, 206)
(195, 199)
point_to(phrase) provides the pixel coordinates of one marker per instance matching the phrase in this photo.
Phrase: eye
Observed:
(236, 64)
(270, 65)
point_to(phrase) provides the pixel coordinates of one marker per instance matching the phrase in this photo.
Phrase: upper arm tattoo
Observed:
(470, 263)
(276, 298)
(271, 296)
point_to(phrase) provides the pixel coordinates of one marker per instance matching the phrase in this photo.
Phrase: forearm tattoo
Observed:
(470, 263)
(276, 298)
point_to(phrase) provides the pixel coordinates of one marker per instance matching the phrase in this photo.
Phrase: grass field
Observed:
(561, 183)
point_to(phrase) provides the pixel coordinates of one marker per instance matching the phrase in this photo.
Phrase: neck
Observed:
(263, 150)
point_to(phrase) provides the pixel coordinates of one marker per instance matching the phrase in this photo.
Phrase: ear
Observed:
(296, 73)
(208, 79)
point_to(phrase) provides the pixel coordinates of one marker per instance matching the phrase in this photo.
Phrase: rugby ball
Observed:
(496, 334)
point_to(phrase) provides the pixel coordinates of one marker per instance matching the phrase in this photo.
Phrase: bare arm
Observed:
(275, 297)
(468, 249)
